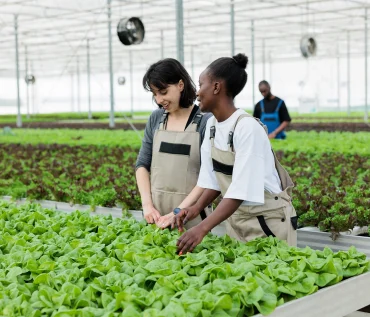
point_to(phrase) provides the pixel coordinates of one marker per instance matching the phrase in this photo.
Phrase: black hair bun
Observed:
(241, 60)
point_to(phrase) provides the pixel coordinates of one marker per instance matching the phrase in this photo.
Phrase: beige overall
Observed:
(276, 217)
(175, 166)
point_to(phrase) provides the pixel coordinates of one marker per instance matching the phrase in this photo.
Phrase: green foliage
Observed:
(325, 142)
(331, 190)
(52, 117)
(55, 264)
(113, 138)
(98, 176)
(302, 142)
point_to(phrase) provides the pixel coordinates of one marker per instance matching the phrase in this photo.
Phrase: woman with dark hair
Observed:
(168, 164)
(238, 162)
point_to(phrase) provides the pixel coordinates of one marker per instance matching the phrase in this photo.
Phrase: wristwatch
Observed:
(176, 211)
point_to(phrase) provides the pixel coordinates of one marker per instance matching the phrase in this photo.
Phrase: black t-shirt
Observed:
(270, 107)
(192, 115)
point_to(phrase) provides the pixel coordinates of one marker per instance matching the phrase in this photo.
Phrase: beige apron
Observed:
(276, 217)
(175, 166)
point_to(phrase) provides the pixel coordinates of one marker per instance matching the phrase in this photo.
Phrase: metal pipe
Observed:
(19, 117)
(180, 30)
(88, 79)
(131, 85)
(253, 78)
(263, 60)
(348, 74)
(33, 91)
(111, 116)
(162, 45)
(366, 116)
(270, 69)
(72, 93)
(78, 86)
(338, 77)
(27, 84)
(192, 62)
(232, 27)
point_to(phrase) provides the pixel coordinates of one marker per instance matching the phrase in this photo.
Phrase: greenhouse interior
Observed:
(184, 158)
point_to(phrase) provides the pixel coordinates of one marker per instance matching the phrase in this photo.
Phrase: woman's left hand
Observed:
(165, 221)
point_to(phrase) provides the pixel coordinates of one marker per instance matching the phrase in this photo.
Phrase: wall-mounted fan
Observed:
(308, 46)
(130, 31)
(121, 80)
(29, 79)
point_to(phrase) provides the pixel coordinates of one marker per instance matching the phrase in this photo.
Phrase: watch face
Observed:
(176, 211)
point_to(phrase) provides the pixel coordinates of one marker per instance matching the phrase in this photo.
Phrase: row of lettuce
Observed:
(56, 264)
(331, 190)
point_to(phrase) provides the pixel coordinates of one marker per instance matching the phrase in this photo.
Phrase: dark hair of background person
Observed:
(232, 71)
(167, 72)
(264, 82)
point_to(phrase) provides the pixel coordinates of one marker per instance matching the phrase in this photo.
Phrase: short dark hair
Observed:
(169, 71)
(232, 71)
(264, 82)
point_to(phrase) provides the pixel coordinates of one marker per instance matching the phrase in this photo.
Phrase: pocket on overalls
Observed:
(170, 173)
(272, 222)
(248, 226)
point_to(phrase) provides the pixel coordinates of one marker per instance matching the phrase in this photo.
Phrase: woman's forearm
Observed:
(192, 198)
(143, 183)
(223, 211)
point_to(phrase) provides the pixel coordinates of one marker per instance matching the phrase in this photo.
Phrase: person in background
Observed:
(237, 162)
(168, 164)
(272, 111)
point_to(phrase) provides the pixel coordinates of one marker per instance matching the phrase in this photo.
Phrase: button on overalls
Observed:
(175, 166)
(276, 217)
(272, 120)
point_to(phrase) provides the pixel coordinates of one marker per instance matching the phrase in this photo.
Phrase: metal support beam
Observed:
(78, 86)
(33, 90)
(348, 74)
(72, 93)
(162, 45)
(232, 27)
(366, 116)
(131, 85)
(111, 116)
(338, 77)
(19, 117)
(263, 60)
(27, 84)
(192, 62)
(270, 69)
(253, 62)
(180, 31)
(88, 79)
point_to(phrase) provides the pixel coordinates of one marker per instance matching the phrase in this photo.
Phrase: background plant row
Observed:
(331, 190)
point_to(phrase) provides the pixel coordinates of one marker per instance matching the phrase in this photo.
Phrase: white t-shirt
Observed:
(254, 168)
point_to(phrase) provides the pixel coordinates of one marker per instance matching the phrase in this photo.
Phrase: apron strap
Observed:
(262, 105)
(279, 105)
(230, 140)
(163, 121)
(212, 132)
(286, 181)
(195, 124)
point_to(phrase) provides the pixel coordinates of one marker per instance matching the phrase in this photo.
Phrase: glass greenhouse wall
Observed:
(53, 37)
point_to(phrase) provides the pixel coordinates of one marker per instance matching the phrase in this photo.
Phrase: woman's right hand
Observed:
(151, 214)
(184, 216)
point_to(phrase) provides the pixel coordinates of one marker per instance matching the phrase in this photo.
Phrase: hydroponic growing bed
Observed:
(59, 264)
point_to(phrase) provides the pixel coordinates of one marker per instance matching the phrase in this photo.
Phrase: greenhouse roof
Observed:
(55, 32)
